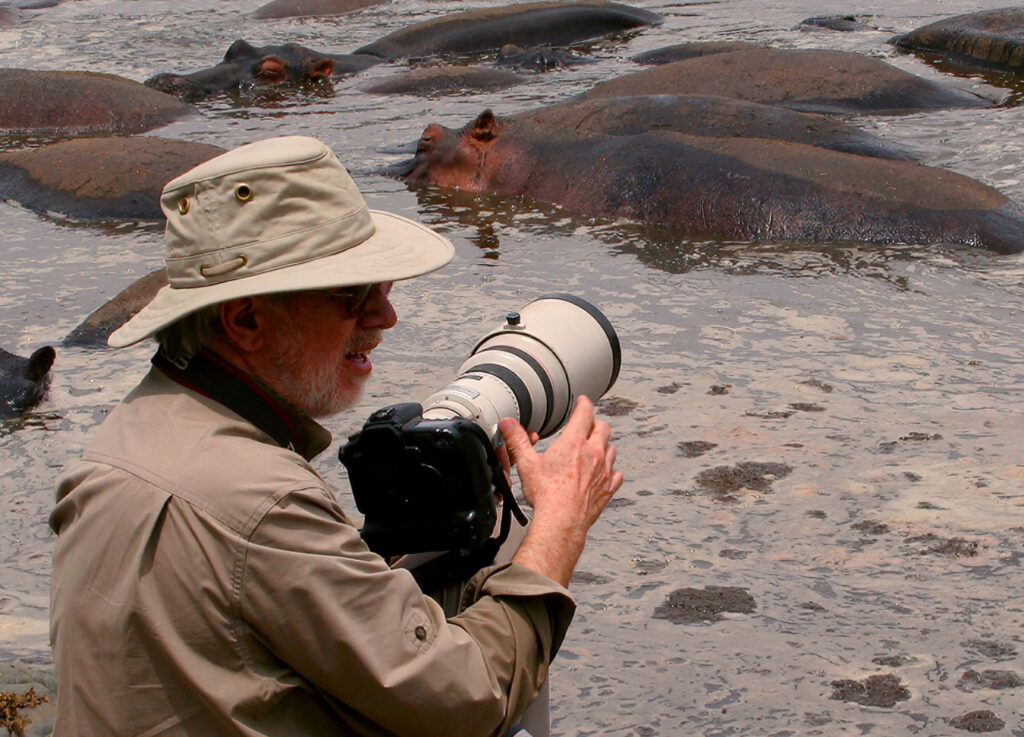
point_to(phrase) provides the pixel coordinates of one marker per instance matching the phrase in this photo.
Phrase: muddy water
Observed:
(832, 433)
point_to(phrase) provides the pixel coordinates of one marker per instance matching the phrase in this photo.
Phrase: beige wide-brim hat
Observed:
(275, 216)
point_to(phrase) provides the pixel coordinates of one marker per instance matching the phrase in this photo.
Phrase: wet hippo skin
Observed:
(97, 327)
(720, 188)
(991, 39)
(553, 23)
(449, 79)
(811, 80)
(301, 8)
(249, 67)
(708, 115)
(119, 177)
(24, 381)
(81, 103)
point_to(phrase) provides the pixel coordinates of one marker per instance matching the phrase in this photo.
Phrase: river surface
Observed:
(831, 433)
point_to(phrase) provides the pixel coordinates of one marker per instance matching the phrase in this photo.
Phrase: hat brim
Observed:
(399, 249)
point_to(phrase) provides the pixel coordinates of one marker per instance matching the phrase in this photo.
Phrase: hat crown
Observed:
(260, 207)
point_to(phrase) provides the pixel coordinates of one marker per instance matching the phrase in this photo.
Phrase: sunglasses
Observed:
(356, 297)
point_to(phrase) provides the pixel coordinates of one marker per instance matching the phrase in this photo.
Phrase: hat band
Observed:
(258, 257)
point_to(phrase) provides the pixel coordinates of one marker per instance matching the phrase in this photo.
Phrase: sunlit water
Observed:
(887, 379)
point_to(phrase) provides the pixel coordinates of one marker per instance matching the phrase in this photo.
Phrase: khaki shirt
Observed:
(206, 582)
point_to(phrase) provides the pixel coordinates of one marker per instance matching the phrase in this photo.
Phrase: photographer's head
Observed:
(275, 263)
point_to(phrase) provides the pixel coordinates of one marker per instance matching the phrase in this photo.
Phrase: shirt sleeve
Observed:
(365, 635)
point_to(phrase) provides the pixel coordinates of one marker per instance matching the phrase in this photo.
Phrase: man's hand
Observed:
(568, 487)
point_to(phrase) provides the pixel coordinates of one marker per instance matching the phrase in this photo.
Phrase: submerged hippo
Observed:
(24, 381)
(97, 327)
(118, 177)
(811, 80)
(691, 50)
(538, 59)
(246, 66)
(992, 39)
(843, 23)
(707, 115)
(552, 23)
(445, 80)
(81, 103)
(300, 8)
(720, 188)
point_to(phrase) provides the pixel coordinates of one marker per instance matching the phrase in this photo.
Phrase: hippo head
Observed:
(24, 381)
(246, 66)
(452, 158)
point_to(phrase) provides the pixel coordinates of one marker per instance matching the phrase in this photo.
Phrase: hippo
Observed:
(81, 103)
(720, 188)
(810, 80)
(245, 66)
(90, 178)
(97, 327)
(302, 8)
(690, 50)
(24, 381)
(11, 16)
(843, 23)
(445, 80)
(554, 23)
(538, 59)
(989, 39)
(707, 115)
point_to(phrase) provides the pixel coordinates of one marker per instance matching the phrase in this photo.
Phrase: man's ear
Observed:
(243, 321)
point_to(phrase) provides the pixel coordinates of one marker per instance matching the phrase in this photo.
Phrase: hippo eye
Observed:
(243, 193)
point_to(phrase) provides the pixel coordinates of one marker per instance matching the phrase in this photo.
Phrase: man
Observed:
(206, 582)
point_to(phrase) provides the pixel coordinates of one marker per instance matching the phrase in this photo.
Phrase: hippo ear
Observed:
(271, 70)
(319, 68)
(485, 127)
(39, 364)
(240, 49)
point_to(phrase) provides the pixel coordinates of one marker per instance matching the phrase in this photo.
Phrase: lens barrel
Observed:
(533, 367)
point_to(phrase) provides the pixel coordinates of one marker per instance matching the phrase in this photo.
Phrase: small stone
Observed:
(982, 720)
(883, 690)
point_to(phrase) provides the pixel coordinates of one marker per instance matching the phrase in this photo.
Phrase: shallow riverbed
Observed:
(833, 433)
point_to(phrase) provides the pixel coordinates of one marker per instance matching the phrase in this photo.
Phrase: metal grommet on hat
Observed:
(309, 229)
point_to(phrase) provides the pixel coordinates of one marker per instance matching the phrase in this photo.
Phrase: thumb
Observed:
(516, 441)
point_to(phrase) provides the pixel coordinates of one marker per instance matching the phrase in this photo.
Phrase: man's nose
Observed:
(379, 312)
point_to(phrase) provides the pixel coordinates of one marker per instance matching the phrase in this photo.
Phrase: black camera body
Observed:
(423, 485)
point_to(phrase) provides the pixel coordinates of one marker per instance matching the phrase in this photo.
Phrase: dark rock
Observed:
(694, 448)
(724, 481)
(972, 680)
(882, 690)
(870, 527)
(616, 406)
(688, 606)
(982, 720)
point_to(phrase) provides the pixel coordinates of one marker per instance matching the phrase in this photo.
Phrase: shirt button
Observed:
(420, 632)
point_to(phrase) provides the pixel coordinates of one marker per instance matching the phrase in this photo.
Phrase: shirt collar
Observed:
(211, 376)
